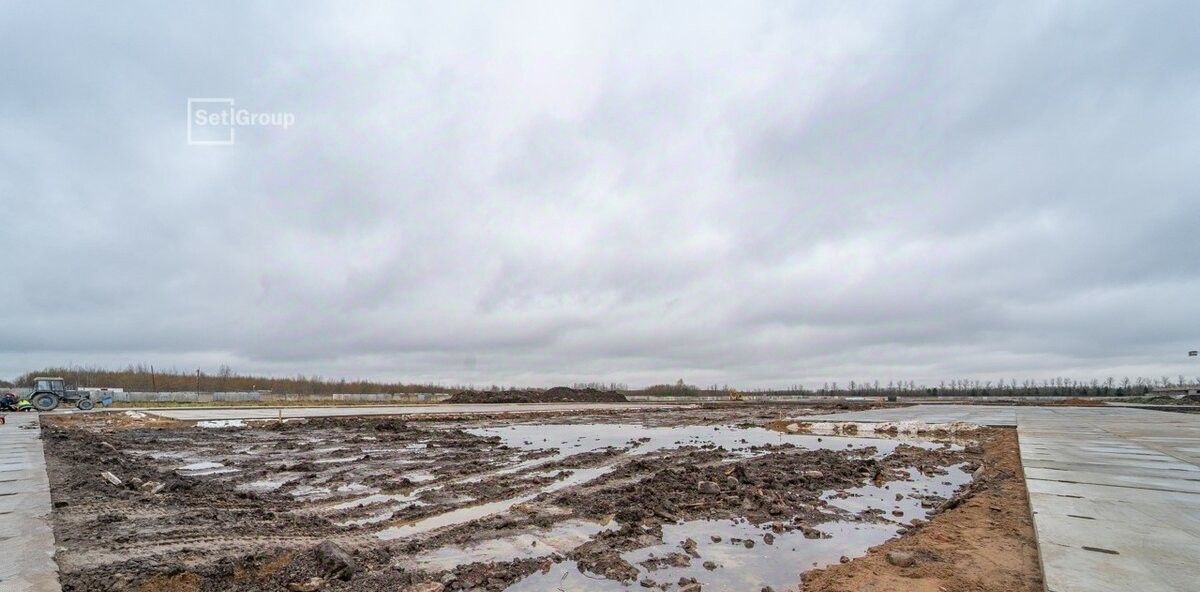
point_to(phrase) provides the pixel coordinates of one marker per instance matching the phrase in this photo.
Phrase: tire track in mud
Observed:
(202, 547)
(544, 506)
(198, 519)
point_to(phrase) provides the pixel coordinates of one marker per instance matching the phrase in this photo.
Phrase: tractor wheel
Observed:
(85, 405)
(44, 401)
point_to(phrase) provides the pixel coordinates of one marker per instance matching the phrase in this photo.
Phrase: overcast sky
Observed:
(754, 194)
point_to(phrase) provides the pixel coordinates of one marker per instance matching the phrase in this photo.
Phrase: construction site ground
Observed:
(613, 497)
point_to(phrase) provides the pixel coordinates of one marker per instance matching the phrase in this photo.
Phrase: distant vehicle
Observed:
(49, 391)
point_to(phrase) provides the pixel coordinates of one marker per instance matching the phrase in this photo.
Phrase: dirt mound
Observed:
(490, 397)
(558, 394)
(1169, 400)
(1080, 402)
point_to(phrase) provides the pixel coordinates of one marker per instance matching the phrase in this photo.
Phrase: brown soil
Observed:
(984, 544)
(112, 421)
(1079, 402)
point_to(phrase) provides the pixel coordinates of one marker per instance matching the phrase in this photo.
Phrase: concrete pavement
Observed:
(27, 561)
(1116, 499)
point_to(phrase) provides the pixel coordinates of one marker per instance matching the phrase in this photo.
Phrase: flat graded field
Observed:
(703, 498)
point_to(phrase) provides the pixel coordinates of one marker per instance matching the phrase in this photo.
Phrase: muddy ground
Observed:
(636, 499)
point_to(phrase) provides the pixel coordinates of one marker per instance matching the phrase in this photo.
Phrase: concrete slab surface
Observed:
(1114, 491)
(26, 538)
(217, 413)
(1134, 523)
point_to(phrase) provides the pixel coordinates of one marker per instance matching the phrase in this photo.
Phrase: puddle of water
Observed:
(517, 468)
(471, 513)
(268, 485)
(200, 469)
(897, 427)
(330, 461)
(884, 498)
(570, 439)
(372, 519)
(394, 461)
(740, 568)
(325, 450)
(376, 498)
(567, 577)
(309, 492)
(562, 538)
(577, 477)
(354, 488)
(458, 516)
(779, 564)
(394, 502)
(167, 455)
(420, 476)
(200, 466)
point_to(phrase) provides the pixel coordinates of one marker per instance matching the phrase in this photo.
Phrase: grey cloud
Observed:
(760, 194)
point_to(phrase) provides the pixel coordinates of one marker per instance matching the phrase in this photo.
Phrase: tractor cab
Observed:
(43, 384)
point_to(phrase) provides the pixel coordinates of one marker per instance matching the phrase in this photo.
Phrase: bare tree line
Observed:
(143, 378)
(1057, 386)
(146, 378)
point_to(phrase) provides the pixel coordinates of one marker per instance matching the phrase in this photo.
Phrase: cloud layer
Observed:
(534, 193)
